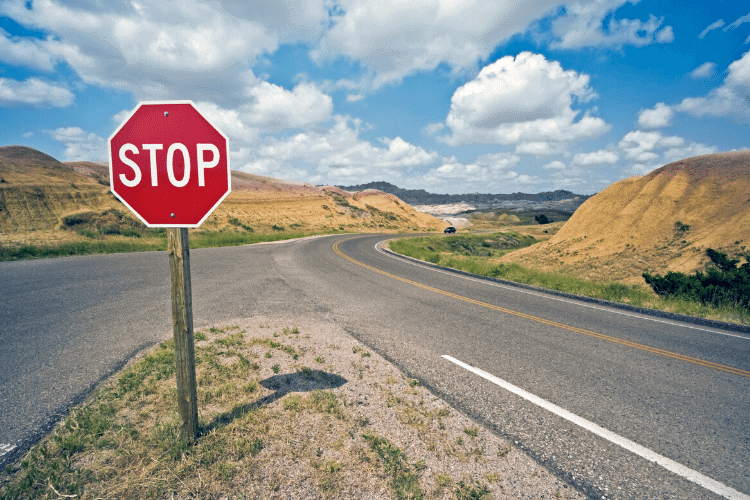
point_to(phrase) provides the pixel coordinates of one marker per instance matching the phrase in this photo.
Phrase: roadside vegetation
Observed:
(467, 247)
(115, 231)
(493, 219)
(723, 284)
(479, 254)
(156, 241)
(281, 415)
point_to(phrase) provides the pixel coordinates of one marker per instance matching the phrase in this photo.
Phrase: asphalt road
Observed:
(678, 390)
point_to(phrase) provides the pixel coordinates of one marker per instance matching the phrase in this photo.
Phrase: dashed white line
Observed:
(6, 448)
(521, 290)
(669, 464)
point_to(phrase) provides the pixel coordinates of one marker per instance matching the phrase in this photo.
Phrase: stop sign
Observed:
(169, 165)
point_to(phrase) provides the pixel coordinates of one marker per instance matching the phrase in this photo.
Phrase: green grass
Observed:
(471, 489)
(101, 245)
(465, 253)
(126, 439)
(404, 476)
(208, 239)
(431, 248)
(238, 223)
(78, 248)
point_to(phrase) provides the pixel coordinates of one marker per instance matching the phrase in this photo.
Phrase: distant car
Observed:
(449, 229)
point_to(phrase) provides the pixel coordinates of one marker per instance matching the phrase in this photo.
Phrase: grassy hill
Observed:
(36, 190)
(663, 221)
(45, 203)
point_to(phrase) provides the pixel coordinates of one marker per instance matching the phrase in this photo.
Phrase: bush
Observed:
(77, 219)
(236, 222)
(541, 219)
(722, 284)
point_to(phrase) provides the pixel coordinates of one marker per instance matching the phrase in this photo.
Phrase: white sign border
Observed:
(111, 174)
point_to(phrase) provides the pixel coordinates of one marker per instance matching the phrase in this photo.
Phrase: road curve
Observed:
(67, 323)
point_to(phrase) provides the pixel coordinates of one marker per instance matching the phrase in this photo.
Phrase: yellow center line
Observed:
(662, 352)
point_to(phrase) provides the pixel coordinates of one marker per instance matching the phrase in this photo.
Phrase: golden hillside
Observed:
(37, 193)
(663, 221)
(36, 190)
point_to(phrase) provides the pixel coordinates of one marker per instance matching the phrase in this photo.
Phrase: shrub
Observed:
(236, 222)
(541, 219)
(722, 284)
(76, 219)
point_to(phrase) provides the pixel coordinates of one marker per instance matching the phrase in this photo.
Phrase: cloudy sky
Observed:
(451, 96)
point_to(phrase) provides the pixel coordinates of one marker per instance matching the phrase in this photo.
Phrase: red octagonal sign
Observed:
(169, 165)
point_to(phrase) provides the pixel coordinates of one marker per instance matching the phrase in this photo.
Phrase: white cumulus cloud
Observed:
(704, 70)
(341, 156)
(270, 109)
(554, 165)
(396, 38)
(433, 128)
(728, 99)
(275, 108)
(80, 145)
(522, 99)
(582, 25)
(337, 155)
(660, 116)
(651, 150)
(537, 148)
(24, 52)
(600, 157)
(165, 50)
(33, 91)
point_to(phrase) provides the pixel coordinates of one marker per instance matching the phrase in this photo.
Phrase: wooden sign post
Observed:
(151, 156)
(178, 248)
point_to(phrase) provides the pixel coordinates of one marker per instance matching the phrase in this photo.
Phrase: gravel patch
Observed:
(451, 455)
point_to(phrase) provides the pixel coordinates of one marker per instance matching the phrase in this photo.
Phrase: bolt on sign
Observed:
(170, 167)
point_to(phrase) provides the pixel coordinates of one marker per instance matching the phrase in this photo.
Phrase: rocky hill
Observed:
(663, 221)
(479, 200)
(38, 194)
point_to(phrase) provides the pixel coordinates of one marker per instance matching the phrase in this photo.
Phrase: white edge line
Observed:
(521, 290)
(6, 448)
(650, 455)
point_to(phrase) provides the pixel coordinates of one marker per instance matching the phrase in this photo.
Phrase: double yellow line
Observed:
(662, 352)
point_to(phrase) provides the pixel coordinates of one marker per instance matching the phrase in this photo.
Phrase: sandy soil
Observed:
(387, 404)
(661, 222)
(457, 222)
(450, 209)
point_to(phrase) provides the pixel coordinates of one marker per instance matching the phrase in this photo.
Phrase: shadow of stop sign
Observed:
(169, 165)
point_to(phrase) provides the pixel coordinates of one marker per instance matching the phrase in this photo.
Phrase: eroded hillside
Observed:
(45, 201)
(36, 190)
(663, 221)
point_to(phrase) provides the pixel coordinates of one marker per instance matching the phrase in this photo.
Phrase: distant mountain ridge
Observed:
(422, 197)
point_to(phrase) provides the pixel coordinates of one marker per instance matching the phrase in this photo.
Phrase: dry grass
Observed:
(38, 192)
(631, 226)
(285, 412)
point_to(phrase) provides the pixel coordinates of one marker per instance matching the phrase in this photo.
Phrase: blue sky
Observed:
(451, 96)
